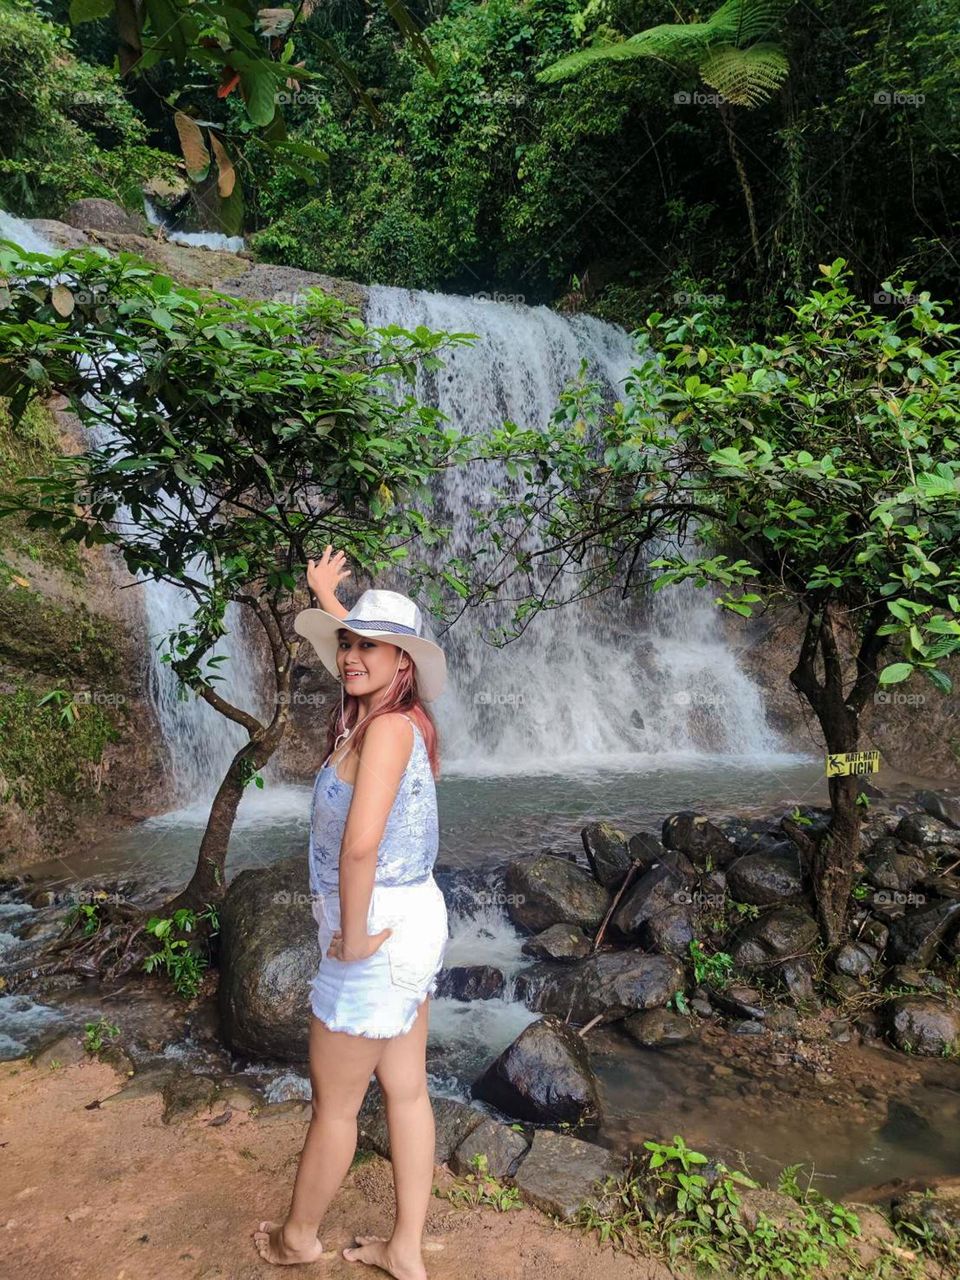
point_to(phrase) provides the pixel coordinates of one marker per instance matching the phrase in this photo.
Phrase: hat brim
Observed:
(320, 628)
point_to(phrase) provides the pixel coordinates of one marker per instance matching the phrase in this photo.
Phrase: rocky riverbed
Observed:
(673, 982)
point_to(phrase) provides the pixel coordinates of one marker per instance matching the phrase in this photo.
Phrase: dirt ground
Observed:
(113, 1193)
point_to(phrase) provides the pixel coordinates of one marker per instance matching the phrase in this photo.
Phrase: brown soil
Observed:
(116, 1193)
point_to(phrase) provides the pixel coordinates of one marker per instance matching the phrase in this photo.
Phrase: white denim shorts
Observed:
(380, 995)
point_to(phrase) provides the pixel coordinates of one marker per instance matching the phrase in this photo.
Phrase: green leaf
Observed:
(896, 672)
(259, 85)
(89, 10)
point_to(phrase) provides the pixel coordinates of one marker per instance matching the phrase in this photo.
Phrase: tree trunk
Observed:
(834, 856)
(726, 115)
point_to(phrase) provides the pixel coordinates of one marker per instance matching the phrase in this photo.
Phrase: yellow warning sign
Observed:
(853, 762)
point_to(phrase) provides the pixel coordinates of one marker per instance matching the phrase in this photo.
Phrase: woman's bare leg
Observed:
(338, 1091)
(402, 1073)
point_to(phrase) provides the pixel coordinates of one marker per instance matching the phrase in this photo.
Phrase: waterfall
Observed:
(600, 682)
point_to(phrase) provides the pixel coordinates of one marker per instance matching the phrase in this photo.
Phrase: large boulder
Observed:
(607, 853)
(670, 932)
(269, 954)
(926, 831)
(542, 890)
(925, 1025)
(890, 866)
(766, 878)
(661, 888)
(471, 982)
(500, 1144)
(94, 214)
(610, 983)
(696, 836)
(785, 932)
(940, 806)
(544, 1076)
(564, 942)
(916, 936)
(561, 1173)
(656, 1028)
(454, 1121)
(934, 1214)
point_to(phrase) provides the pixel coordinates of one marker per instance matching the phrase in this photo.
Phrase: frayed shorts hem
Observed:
(369, 1034)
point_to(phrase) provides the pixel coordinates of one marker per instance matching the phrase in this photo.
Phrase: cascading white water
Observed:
(200, 741)
(593, 683)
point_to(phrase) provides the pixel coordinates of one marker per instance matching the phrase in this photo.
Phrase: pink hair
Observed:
(402, 696)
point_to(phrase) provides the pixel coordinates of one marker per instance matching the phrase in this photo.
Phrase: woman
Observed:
(381, 916)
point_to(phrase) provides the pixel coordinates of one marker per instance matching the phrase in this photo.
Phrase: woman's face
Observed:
(366, 666)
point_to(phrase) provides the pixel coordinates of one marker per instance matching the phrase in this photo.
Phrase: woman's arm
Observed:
(323, 577)
(386, 751)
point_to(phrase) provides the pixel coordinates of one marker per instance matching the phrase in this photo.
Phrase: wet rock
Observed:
(185, 1096)
(103, 215)
(926, 831)
(887, 867)
(939, 806)
(764, 879)
(786, 931)
(656, 1028)
(738, 1002)
(844, 987)
(455, 1121)
(908, 975)
(876, 933)
(559, 942)
(656, 891)
(64, 1049)
(924, 1025)
(239, 1096)
(761, 1202)
(782, 1020)
(561, 1173)
(293, 1108)
(143, 1085)
(915, 937)
(543, 1076)
(746, 1027)
(669, 932)
(696, 836)
(610, 983)
(471, 982)
(855, 959)
(797, 977)
(934, 1214)
(648, 852)
(840, 1031)
(606, 850)
(268, 956)
(545, 891)
(503, 1147)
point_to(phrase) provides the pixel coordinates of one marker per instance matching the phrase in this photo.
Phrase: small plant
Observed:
(714, 969)
(479, 1188)
(800, 819)
(183, 965)
(746, 909)
(678, 1002)
(88, 913)
(94, 1032)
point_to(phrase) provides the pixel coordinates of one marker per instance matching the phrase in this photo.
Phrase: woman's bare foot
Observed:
(376, 1251)
(273, 1247)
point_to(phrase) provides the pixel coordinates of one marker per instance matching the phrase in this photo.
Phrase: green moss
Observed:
(45, 755)
(42, 635)
(30, 448)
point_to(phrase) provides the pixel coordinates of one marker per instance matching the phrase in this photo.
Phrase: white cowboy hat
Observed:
(379, 615)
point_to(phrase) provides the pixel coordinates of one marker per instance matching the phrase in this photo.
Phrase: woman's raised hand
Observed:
(325, 574)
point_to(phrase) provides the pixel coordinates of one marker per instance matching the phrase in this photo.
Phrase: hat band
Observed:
(373, 625)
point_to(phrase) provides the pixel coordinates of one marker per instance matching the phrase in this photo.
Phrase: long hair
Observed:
(403, 696)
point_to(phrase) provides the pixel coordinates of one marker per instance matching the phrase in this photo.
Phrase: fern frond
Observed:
(745, 77)
(574, 63)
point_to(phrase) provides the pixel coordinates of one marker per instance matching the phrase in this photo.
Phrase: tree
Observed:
(826, 461)
(250, 50)
(731, 51)
(228, 439)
